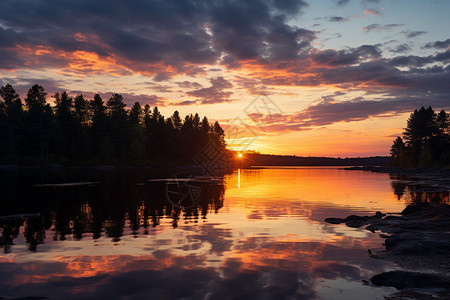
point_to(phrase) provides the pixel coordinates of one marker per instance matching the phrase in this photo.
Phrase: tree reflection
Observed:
(412, 192)
(104, 208)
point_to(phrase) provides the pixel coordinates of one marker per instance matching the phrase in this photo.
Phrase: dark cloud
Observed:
(329, 111)
(215, 93)
(337, 19)
(161, 77)
(380, 28)
(346, 57)
(289, 7)
(439, 44)
(148, 36)
(413, 34)
(185, 103)
(411, 61)
(245, 31)
(189, 84)
(402, 48)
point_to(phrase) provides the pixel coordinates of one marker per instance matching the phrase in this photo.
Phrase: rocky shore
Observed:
(418, 241)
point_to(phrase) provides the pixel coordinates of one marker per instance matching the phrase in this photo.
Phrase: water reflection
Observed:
(254, 234)
(414, 190)
(98, 209)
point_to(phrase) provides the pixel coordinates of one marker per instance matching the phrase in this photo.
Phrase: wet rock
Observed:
(355, 221)
(402, 279)
(334, 220)
(418, 244)
(418, 236)
(411, 295)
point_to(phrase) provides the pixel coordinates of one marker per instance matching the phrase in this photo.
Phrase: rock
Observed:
(402, 279)
(334, 220)
(356, 218)
(355, 223)
(412, 209)
(410, 295)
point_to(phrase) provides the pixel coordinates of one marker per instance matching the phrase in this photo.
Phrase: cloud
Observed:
(412, 34)
(373, 12)
(439, 44)
(337, 19)
(215, 93)
(151, 37)
(380, 28)
(189, 84)
(332, 57)
(329, 111)
(402, 48)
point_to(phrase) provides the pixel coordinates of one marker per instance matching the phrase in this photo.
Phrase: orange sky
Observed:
(310, 78)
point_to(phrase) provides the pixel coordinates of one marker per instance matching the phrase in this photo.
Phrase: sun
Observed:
(239, 155)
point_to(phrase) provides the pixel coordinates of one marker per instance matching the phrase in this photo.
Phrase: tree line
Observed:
(89, 131)
(425, 141)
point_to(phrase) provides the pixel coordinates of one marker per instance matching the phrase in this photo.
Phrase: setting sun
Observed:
(224, 149)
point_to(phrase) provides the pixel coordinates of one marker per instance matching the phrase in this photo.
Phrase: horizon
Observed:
(335, 78)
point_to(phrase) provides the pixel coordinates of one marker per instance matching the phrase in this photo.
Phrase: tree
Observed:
(38, 122)
(12, 123)
(99, 125)
(9, 95)
(35, 98)
(421, 126)
(219, 135)
(118, 124)
(116, 107)
(81, 131)
(196, 121)
(176, 120)
(81, 113)
(205, 125)
(147, 116)
(426, 139)
(398, 148)
(443, 123)
(65, 122)
(136, 151)
(136, 114)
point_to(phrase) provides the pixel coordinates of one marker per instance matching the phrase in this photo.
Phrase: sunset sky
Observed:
(311, 78)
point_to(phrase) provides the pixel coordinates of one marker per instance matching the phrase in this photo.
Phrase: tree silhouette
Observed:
(398, 148)
(11, 122)
(81, 131)
(136, 114)
(426, 140)
(38, 122)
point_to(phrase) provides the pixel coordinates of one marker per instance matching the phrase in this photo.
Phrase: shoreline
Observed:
(417, 239)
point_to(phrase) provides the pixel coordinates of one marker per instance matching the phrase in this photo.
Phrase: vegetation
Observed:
(425, 142)
(78, 130)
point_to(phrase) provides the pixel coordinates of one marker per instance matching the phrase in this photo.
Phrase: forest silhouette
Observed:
(425, 142)
(82, 131)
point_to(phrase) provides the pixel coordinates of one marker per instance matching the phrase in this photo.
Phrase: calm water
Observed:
(256, 234)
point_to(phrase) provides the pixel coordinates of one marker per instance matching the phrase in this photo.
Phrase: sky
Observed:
(310, 78)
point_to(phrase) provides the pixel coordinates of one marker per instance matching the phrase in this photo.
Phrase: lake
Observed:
(142, 234)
